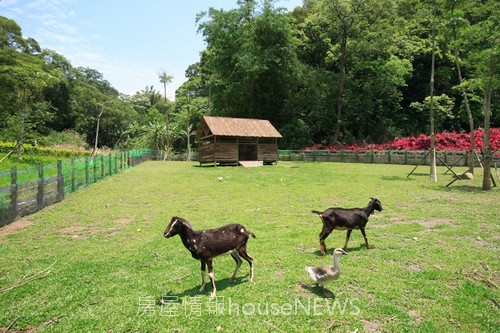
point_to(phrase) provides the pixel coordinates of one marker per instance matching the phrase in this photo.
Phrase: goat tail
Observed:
(316, 212)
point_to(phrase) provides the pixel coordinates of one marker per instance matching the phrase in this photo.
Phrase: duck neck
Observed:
(336, 261)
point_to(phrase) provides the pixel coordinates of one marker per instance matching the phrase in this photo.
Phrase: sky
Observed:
(129, 42)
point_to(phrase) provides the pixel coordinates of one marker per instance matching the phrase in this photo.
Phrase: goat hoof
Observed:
(201, 289)
(212, 295)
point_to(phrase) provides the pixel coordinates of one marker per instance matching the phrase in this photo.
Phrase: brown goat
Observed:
(204, 245)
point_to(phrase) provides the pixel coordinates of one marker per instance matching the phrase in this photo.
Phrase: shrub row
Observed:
(444, 141)
(6, 147)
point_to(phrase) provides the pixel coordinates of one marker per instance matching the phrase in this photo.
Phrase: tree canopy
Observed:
(328, 72)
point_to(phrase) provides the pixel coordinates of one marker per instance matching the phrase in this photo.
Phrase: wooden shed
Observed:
(224, 140)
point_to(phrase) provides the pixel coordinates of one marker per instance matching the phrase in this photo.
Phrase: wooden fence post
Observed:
(13, 191)
(110, 160)
(39, 194)
(102, 167)
(95, 168)
(73, 175)
(86, 170)
(60, 181)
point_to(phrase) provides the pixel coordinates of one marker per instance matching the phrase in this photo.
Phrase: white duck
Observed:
(324, 274)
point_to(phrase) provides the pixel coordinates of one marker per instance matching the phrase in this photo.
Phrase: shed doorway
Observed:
(247, 152)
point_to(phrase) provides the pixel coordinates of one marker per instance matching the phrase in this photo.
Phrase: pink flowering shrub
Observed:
(444, 141)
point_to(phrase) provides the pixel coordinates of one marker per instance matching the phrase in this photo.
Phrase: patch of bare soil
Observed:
(15, 226)
(125, 220)
(415, 315)
(433, 223)
(76, 231)
(371, 326)
(415, 267)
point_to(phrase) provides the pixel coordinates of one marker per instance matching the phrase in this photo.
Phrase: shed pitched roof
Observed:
(240, 127)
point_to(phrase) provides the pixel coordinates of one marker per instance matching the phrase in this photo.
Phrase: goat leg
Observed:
(203, 269)
(238, 260)
(366, 239)
(211, 276)
(243, 253)
(322, 236)
(347, 236)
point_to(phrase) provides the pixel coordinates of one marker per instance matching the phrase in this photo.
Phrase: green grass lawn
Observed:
(98, 261)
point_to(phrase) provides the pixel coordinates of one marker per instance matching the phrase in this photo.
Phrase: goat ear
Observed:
(185, 222)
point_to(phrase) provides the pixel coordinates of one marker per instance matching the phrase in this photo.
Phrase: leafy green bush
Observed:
(66, 139)
(6, 147)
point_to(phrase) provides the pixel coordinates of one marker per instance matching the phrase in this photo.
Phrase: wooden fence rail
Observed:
(23, 192)
(405, 157)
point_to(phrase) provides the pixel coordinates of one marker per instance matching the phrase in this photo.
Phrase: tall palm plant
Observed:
(165, 79)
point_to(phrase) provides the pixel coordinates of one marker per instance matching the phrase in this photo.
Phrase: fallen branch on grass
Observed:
(28, 278)
(181, 277)
(273, 326)
(32, 329)
(480, 277)
(11, 325)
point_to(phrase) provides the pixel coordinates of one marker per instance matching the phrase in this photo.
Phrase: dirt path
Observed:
(15, 226)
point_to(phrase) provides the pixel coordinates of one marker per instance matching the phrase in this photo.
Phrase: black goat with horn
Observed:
(346, 219)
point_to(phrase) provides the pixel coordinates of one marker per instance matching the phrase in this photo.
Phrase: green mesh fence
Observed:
(24, 192)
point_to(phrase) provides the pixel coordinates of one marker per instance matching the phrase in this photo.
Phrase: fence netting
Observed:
(23, 192)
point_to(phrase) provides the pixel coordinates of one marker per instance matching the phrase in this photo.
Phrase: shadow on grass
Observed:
(463, 188)
(360, 247)
(195, 291)
(316, 290)
(393, 178)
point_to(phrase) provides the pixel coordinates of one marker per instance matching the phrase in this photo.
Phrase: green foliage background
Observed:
(330, 71)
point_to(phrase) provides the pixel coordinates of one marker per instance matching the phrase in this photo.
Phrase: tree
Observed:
(22, 69)
(191, 105)
(166, 79)
(482, 54)
(250, 61)
(456, 23)
(433, 169)
(346, 23)
(100, 107)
